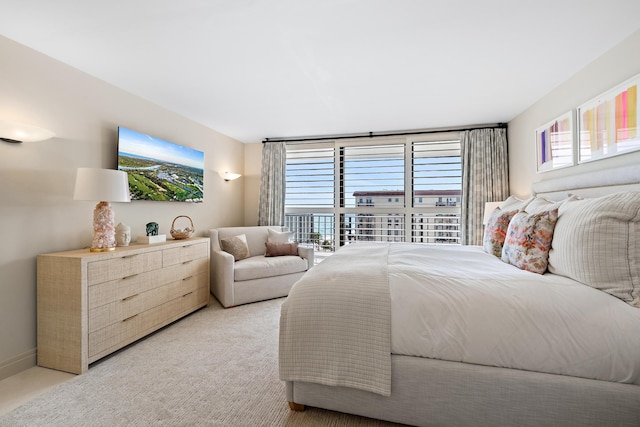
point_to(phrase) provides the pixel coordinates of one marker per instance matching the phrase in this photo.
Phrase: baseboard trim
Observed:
(15, 365)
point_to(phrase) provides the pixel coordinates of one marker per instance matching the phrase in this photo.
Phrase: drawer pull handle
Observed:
(129, 318)
(130, 297)
(129, 277)
(186, 295)
(187, 262)
(187, 278)
(129, 256)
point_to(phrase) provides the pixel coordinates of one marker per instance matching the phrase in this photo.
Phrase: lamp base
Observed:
(102, 249)
(104, 229)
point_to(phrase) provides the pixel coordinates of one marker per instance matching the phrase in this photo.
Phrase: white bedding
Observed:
(459, 303)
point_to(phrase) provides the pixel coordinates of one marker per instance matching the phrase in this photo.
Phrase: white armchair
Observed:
(257, 277)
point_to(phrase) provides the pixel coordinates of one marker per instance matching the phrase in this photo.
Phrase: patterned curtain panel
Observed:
(272, 184)
(485, 177)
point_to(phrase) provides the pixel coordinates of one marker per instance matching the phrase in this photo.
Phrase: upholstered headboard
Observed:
(590, 184)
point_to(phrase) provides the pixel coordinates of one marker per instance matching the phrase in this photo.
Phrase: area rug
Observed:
(215, 367)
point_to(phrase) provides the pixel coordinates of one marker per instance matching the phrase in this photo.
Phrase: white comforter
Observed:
(462, 304)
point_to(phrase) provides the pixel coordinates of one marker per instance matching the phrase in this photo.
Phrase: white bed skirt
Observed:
(435, 392)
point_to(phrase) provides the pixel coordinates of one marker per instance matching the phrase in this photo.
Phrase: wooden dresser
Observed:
(91, 304)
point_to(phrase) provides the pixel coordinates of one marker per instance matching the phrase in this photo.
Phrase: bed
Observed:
(465, 338)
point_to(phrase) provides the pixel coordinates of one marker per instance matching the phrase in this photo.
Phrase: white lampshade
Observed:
(19, 132)
(108, 185)
(489, 207)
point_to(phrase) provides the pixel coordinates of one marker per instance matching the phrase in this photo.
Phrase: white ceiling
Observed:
(253, 69)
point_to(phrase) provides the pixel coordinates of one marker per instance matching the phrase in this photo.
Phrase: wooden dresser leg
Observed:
(296, 406)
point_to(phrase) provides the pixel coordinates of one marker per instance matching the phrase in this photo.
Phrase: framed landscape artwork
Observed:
(608, 124)
(554, 143)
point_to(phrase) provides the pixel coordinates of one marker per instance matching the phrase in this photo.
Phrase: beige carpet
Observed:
(215, 367)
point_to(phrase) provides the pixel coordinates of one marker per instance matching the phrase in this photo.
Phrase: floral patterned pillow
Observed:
(496, 230)
(529, 239)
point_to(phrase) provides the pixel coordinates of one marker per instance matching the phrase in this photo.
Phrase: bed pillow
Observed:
(540, 204)
(515, 204)
(281, 249)
(279, 236)
(236, 246)
(528, 240)
(496, 230)
(597, 242)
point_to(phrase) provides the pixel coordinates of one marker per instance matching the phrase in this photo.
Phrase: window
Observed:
(309, 199)
(368, 170)
(437, 183)
(374, 190)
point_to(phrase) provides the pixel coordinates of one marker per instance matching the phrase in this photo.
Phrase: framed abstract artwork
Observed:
(608, 124)
(554, 143)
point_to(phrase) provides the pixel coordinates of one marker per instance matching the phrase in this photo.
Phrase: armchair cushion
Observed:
(259, 267)
(236, 246)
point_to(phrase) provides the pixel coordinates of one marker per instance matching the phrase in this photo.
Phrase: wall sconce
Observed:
(489, 207)
(230, 176)
(19, 132)
(106, 185)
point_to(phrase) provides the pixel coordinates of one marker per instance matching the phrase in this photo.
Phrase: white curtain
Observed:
(485, 177)
(272, 183)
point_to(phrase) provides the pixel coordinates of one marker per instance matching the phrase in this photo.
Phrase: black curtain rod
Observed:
(374, 134)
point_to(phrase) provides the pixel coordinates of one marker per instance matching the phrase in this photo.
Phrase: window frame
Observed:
(406, 210)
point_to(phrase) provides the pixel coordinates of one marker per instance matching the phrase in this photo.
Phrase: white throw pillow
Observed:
(515, 204)
(279, 236)
(597, 242)
(540, 204)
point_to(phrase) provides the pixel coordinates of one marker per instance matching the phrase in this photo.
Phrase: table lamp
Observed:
(105, 185)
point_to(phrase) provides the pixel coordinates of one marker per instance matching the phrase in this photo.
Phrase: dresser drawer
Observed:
(184, 253)
(202, 296)
(122, 288)
(119, 289)
(120, 310)
(115, 336)
(124, 266)
(187, 268)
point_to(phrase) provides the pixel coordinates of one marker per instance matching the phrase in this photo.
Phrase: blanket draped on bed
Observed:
(335, 325)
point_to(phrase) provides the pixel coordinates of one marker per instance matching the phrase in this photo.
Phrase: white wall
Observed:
(252, 170)
(37, 212)
(614, 67)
